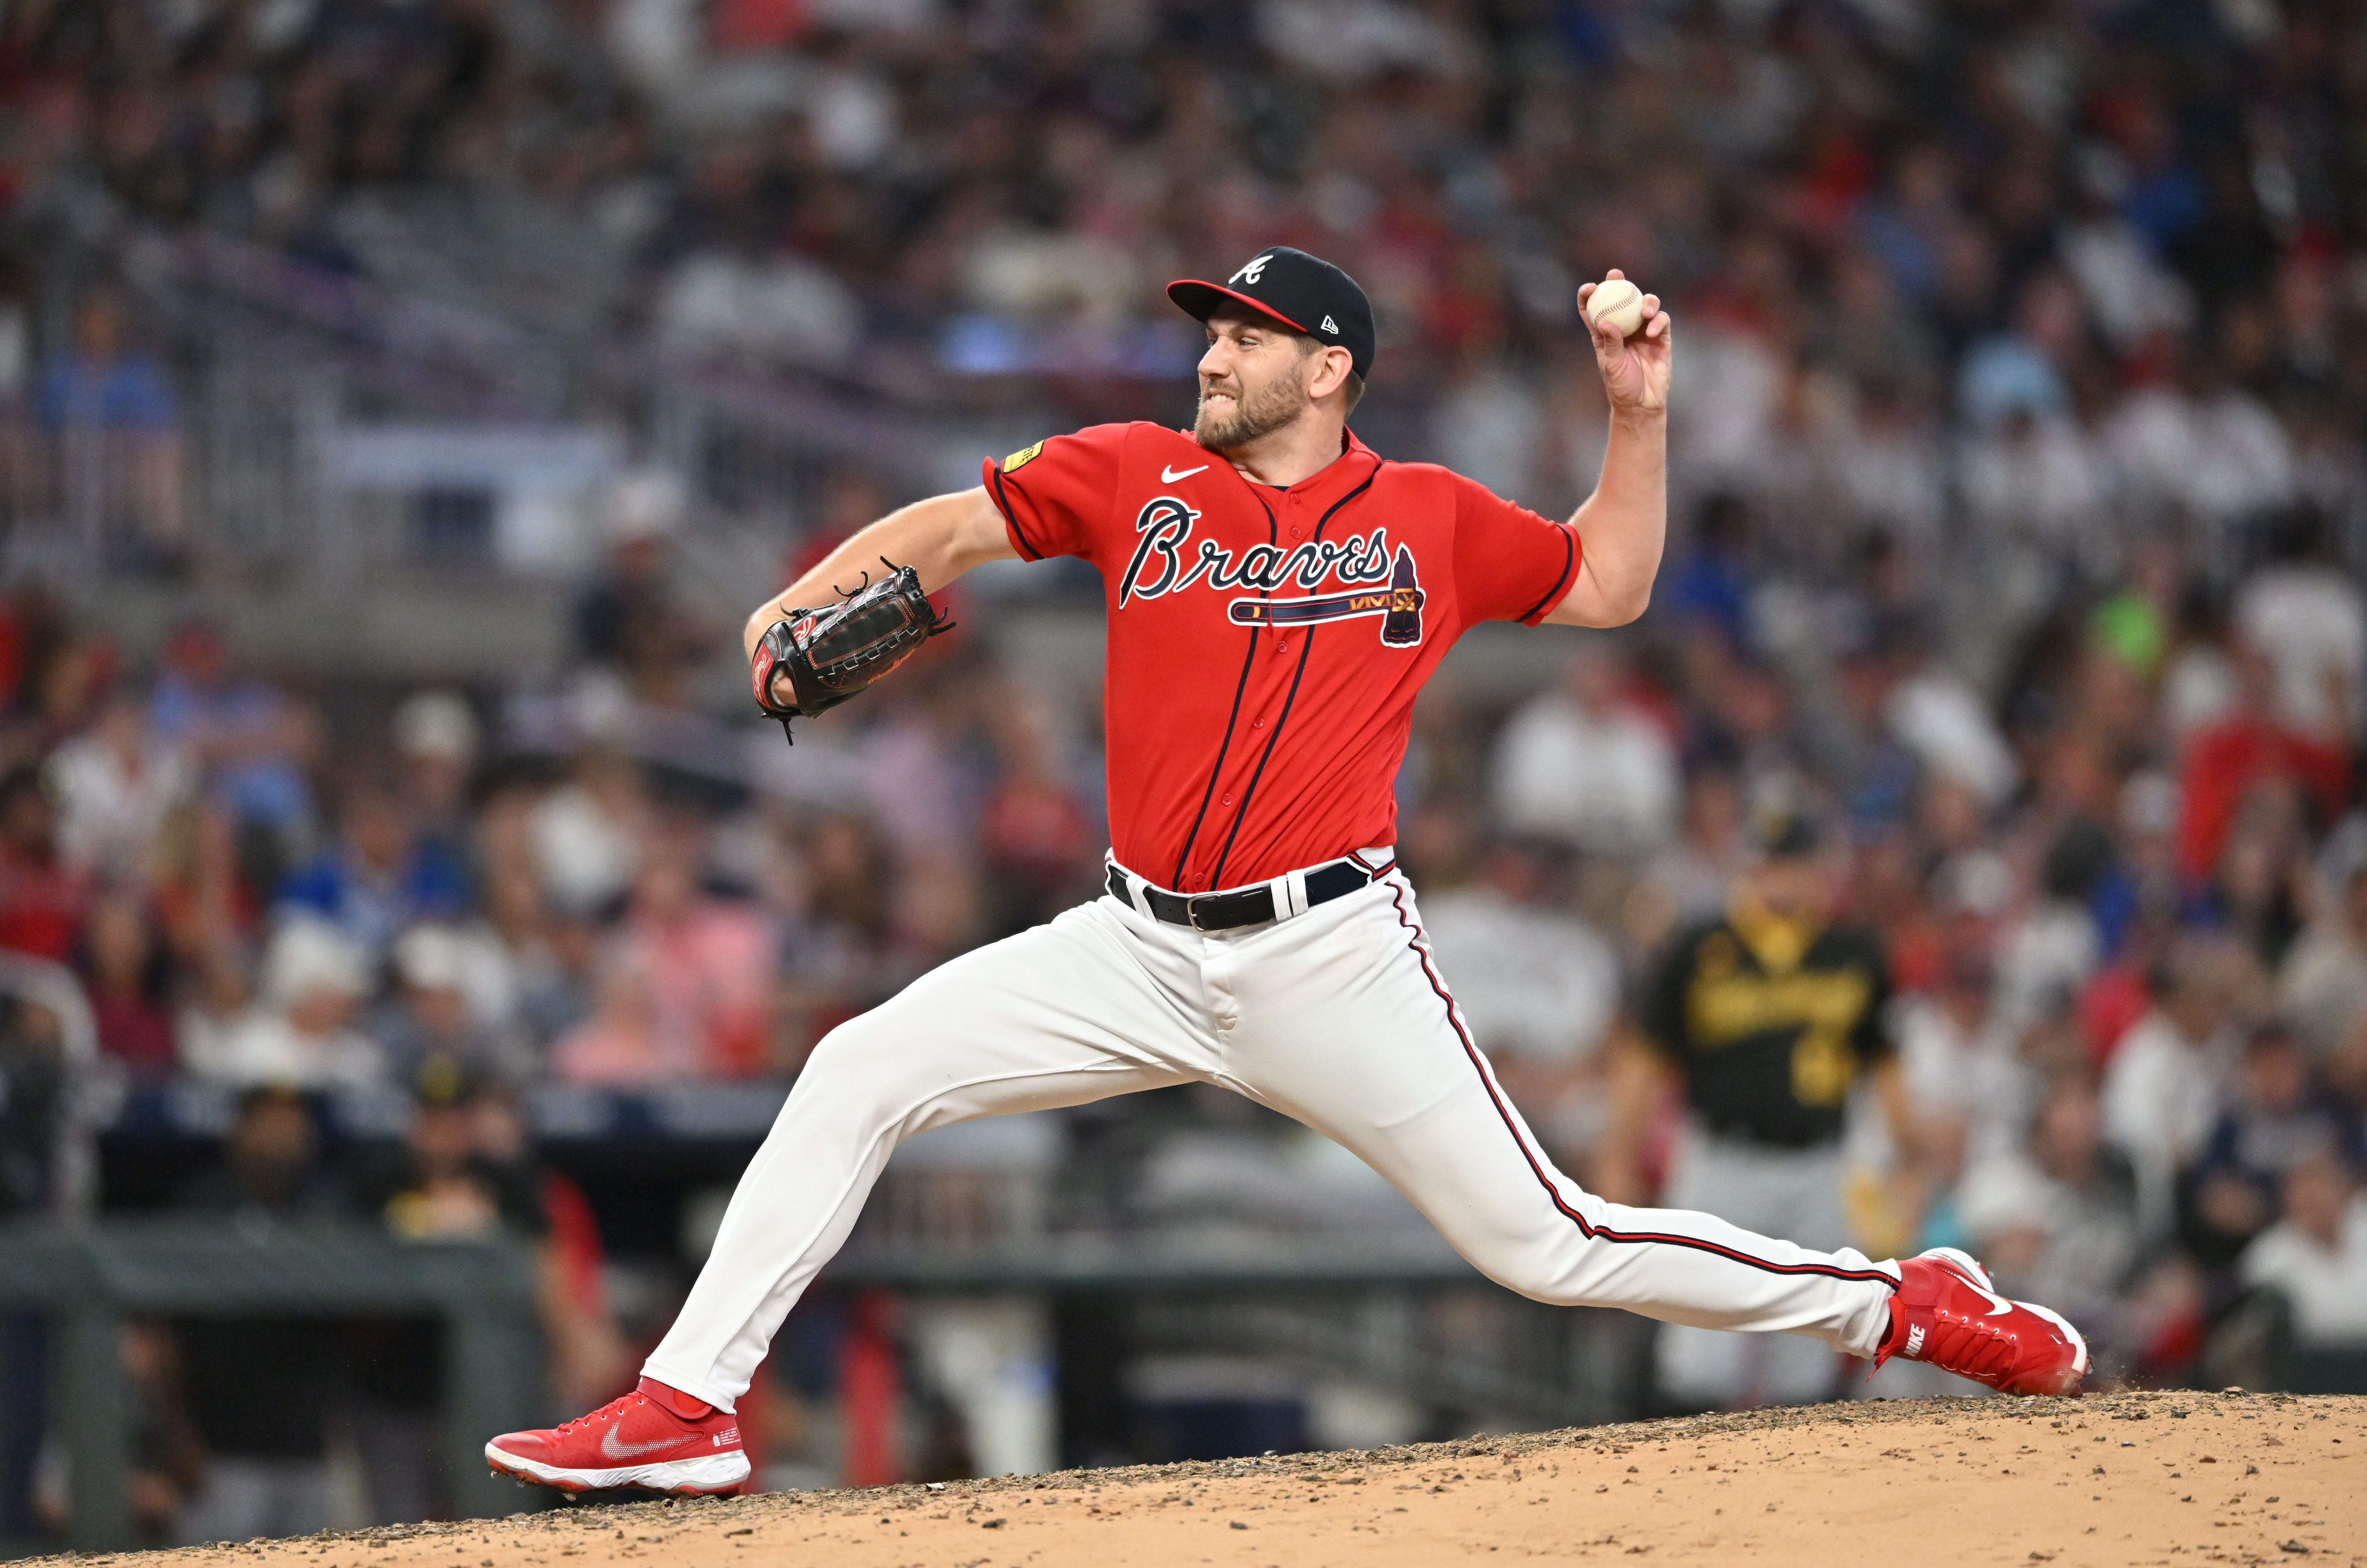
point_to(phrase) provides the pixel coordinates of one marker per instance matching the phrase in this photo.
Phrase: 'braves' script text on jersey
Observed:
(1266, 645)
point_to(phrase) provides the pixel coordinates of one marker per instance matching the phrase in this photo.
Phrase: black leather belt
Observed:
(1246, 906)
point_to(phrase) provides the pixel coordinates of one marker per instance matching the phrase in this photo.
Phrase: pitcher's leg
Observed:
(1059, 1015)
(1375, 1056)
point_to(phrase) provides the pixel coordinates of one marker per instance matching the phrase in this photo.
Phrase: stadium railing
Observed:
(90, 1280)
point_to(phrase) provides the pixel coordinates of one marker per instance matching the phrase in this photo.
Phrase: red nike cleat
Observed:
(1945, 1313)
(656, 1437)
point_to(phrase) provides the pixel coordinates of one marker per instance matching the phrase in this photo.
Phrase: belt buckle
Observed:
(1192, 909)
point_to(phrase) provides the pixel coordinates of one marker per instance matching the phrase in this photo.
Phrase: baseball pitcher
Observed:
(1278, 593)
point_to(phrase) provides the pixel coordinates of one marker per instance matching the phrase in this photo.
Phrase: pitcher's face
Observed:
(1252, 380)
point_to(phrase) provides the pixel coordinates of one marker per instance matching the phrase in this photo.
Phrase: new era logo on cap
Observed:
(1305, 293)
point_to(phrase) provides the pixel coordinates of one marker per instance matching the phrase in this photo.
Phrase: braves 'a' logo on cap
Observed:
(1252, 271)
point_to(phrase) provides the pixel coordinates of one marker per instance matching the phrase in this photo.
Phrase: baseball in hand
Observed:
(1618, 303)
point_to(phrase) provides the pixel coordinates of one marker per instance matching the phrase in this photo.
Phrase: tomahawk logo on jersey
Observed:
(1236, 610)
(1399, 607)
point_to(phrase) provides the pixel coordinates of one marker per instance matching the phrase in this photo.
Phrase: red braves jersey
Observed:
(1266, 645)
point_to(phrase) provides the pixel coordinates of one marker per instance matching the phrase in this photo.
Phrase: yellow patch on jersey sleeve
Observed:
(1021, 458)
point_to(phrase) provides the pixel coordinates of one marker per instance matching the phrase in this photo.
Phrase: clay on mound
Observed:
(2120, 1478)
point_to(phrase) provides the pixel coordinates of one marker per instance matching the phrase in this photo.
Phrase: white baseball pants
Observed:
(1337, 1016)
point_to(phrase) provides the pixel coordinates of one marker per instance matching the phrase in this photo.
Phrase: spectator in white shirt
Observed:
(2308, 617)
(2318, 1254)
(1936, 714)
(2038, 475)
(2161, 1090)
(302, 1036)
(1582, 766)
(2210, 450)
(116, 786)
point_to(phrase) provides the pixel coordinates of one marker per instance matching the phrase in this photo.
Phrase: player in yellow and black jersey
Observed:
(1762, 1023)
(1771, 1014)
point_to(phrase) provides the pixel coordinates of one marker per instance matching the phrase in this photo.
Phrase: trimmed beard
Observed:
(1260, 413)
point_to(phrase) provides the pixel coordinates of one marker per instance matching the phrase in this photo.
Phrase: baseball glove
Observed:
(831, 654)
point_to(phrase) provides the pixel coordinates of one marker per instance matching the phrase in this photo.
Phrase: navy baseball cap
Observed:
(1305, 293)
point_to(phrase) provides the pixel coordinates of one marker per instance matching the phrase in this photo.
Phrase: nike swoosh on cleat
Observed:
(1964, 1268)
(1168, 476)
(611, 1449)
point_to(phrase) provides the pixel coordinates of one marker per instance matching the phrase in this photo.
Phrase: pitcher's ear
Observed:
(1339, 368)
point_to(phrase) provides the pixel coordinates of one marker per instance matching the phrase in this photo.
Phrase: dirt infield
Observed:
(2150, 1478)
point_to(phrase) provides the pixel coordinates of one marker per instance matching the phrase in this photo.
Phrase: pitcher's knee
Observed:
(836, 1057)
(1554, 1287)
(855, 1069)
(1520, 1266)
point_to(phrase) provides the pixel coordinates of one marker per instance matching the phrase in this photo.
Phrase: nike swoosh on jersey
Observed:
(611, 1449)
(1168, 476)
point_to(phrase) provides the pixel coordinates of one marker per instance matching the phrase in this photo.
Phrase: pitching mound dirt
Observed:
(2150, 1478)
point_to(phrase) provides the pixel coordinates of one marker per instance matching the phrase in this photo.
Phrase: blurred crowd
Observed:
(312, 905)
(2020, 509)
(2052, 263)
(259, 891)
